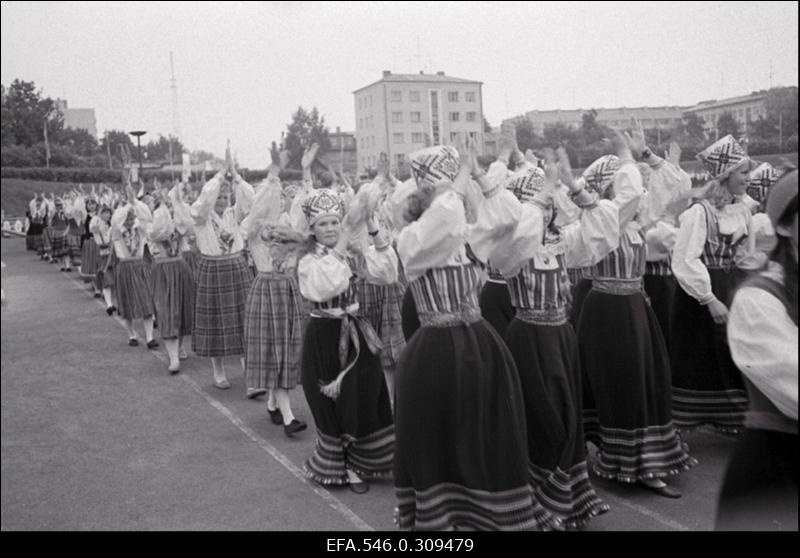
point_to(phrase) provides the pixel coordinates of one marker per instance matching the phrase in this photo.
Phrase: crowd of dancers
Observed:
(469, 330)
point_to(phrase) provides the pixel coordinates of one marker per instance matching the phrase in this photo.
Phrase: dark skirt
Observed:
(38, 243)
(409, 319)
(73, 246)
(106, 276)
(381, 305)
(461, 458)
(273, 332)
(220, 299)
(591, 423)
(191, 260)
(30, 242)
(171, 282)
(707, 388)
(90, 258)
(56, 242)
(549, 372)
(579, 292)
(660, 290)
(625, 359)
(134, 293)
(759, 492)
(355, 430)
(496, 308)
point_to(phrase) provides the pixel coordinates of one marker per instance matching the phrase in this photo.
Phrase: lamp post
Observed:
(139, 134)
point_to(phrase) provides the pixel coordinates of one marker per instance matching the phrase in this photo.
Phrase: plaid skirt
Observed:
(73, 246)
(106, 276)
(56, 242)
(134, 295)
(273, 332)
(219, 303)
(90, 258)
(381, 305)
(171, 282)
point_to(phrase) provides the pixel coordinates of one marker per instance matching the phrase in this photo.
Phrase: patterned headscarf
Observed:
(761, 179)
(527, 184)
(600, 174)
(723, 157)
(322, 202)
(434, 164)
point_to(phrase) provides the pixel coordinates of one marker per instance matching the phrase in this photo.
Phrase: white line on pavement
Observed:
(276, 454)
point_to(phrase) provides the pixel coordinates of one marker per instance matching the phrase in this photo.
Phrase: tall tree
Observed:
(25, 112)
(158, 150)
(79, 142)
(304, 129)
(727, 124)
(526, 137)
(111, 142)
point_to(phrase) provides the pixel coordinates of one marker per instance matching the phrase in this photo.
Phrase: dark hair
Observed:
(326, 179)
(418, 202)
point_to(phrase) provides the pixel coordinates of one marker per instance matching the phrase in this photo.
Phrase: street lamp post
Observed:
(139, 134)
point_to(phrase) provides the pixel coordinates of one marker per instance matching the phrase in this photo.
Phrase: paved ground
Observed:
(97, 436)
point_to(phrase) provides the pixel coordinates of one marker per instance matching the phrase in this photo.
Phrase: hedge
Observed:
(112, 176)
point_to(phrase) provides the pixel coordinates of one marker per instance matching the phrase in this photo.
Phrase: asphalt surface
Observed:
(97, 436)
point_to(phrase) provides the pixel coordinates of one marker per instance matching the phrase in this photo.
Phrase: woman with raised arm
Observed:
(340, 366)
(38, 220)
(759, 491)
(100, 227)
(621, 346)
(75, 211)
(56, 233)
(461, 452)
(712, 239)
(132, 281)
(171, 278)
(533, 257)
(222, 273)
(273, 321)
(90, 260)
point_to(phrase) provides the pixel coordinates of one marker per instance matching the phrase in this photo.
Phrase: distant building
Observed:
(651, 118)
(343, 153)
(491, 141)
(402, 113)
(78, 118)
(745, 109)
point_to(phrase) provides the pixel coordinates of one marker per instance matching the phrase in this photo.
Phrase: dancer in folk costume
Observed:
(621, 346)
(56, 234)
(759, 491)
(380, 303)
(223, 277)
(667, 187)
(170, 278)
(106, 262)
(90, 259)
(75, 211)
(461, 445)
(132, 274)
(712, 244)
(37, 217)
(533, 257)
(340, 366)
(273, 319)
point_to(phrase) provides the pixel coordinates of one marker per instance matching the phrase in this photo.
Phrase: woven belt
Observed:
(223, 256)
(159, 260)
(275, 275)
(546, 316)
(467, 316)
(131, 259)
(617, 286)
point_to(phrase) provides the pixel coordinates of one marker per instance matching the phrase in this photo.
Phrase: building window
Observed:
(453, 136)
(398, 138)
(470, 96)
(416, 117)
(397, 117)
(473, 135)
(453, 117)
(452, 96)
(396, 96)
(416, 137)
(471, 116)
(413, 96)
(398, 159)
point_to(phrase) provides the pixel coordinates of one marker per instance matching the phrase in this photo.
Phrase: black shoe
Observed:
(110, 310)
(98, 295)
(252, 393)
(152, 344)
(276, 416)
(294, 427)
(359, 487)
(133, 342)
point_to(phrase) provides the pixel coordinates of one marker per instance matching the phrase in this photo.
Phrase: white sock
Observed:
(107, 297)
(148, 328)
(283, 403)
(219, 368)
(172, 351)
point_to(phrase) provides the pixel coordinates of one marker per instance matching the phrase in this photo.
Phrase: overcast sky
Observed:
(242, 68)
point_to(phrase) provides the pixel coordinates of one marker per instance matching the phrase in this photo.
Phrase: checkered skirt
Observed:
(73, 246)
(57, 243)
(134, 294)
(171, 281)
(90, 258)
(381, 305)
(273, 332)
(220, 298)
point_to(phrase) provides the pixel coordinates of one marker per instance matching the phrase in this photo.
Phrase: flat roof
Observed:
(417, 78)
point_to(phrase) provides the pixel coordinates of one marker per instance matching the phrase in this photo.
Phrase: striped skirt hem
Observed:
(369, 456)
(722, 409)
(569, 495)
(448, 506)
(134, 293)
(644, 453)
(90, 258)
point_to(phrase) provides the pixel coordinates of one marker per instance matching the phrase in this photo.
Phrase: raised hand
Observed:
(673, 154)
(383, 167)
(636, 140)
(309, 155)
(564, 168)
(531, 158)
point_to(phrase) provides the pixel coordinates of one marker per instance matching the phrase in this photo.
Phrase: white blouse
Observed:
(206, 219)
(763, 342)
(137, 233)
(687, 265)
(267, 211)
(436, 239)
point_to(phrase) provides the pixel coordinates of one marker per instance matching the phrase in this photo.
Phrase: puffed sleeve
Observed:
(266, 208)
(143, 213)
(380, 264)
(431, 240)
(182, 217)
(244, 194)
(566, 210)
(94, 224)
(763, 342)
(322, 277)
(660, 241)
(296, 216)
(205, 200)
(668, 183)
(628, 191)
(161, 227)
(590, 239)
(77, 210)
(753, 252)
(689, 269)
